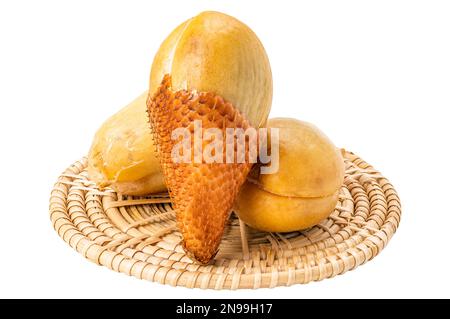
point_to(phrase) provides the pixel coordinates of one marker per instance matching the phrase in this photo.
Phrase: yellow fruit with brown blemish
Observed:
(305, 189)
(123, 155)
(213, 69)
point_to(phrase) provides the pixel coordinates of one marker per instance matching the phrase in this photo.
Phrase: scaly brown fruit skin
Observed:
(202, 193)
(123, 155)
(305, 189)
(214, 69)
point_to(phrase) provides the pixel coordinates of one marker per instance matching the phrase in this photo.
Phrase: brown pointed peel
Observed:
(202, 193)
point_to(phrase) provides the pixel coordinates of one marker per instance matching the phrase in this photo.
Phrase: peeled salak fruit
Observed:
(123, 155)
(214, 70)
(303, 191)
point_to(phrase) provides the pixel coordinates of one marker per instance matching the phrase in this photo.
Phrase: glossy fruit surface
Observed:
(305, 189)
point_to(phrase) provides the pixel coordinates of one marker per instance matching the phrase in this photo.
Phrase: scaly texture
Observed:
(202, 193)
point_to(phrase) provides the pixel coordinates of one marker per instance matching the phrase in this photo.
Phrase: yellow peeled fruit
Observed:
(306, 187)
(214, 52)
(123, 155)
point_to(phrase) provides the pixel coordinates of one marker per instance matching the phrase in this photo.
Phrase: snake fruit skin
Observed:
(202, 193)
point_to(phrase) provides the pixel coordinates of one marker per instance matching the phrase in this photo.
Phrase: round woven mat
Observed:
(138, 236)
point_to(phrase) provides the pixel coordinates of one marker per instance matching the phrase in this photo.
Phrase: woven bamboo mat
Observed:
(138, 236)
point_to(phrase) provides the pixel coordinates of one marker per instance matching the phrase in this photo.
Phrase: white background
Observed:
(373, 75)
